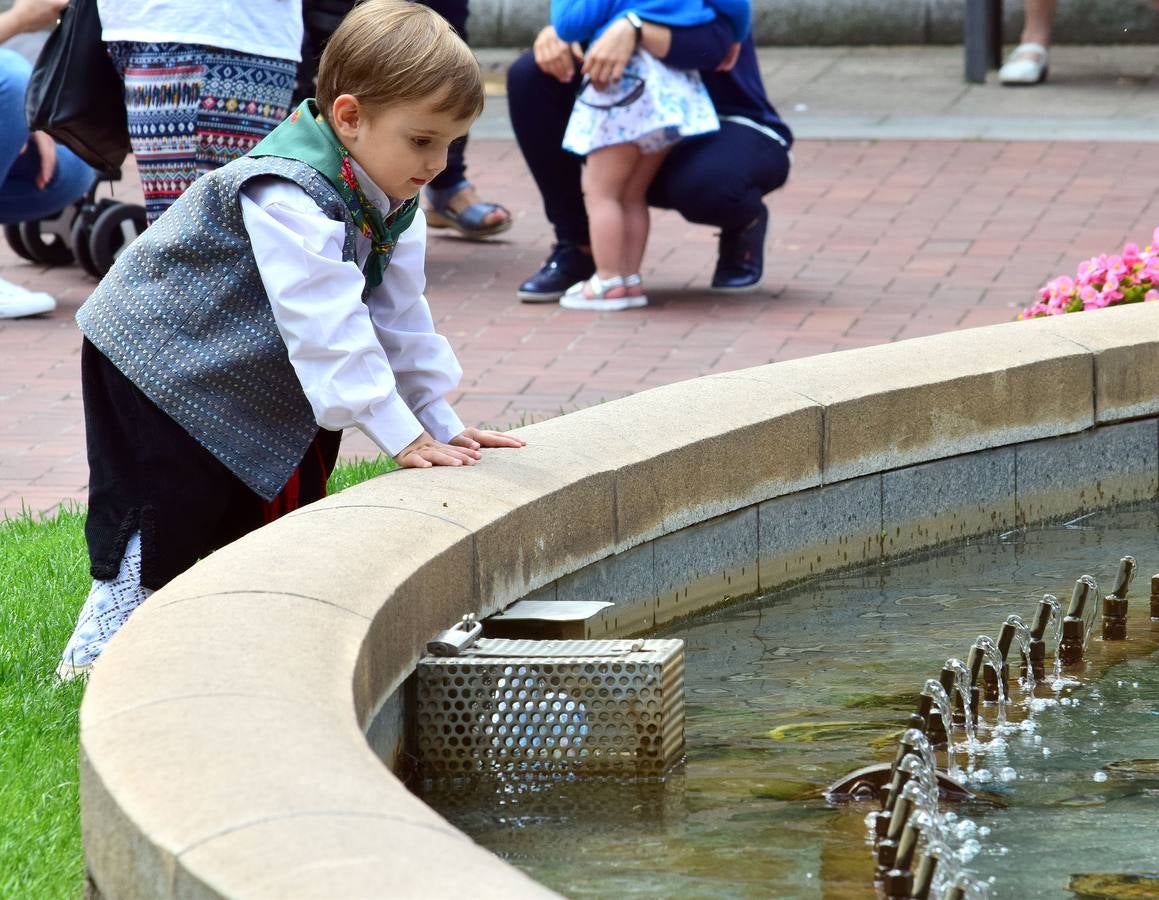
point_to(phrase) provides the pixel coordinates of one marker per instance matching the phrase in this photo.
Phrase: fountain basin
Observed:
(232, 738)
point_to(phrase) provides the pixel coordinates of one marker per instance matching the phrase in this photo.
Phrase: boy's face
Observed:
(401, 147)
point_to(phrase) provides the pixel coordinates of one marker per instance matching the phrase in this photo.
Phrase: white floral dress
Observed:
(673, 105)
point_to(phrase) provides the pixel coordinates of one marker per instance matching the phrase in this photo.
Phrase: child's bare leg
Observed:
(605, 175)
(636, 217)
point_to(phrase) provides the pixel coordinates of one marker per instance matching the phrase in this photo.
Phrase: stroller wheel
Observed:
(82, 228)
(114, 229)
(47, 240)
(16, 242)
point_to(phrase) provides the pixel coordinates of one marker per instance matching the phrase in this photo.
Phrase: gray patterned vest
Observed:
(184, 315)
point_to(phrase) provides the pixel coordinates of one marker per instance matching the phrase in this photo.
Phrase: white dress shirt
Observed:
(378, 365)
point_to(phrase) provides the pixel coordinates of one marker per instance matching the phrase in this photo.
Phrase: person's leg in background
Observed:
(452, 200)
(192, 109)
(162, 91)
(540, 106)
(720, 180)
(1029, 62)
(243, 98)
(21, 200)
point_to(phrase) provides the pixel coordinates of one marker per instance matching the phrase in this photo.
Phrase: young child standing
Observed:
(626, 129)
(279, 300)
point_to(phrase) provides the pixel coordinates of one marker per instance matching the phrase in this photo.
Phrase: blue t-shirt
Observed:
(585, 20)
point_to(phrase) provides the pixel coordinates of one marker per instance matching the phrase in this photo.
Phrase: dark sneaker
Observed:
(740, 262)
(566, 265)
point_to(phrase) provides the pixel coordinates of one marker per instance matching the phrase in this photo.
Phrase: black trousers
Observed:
(718, 179)
(147, 474)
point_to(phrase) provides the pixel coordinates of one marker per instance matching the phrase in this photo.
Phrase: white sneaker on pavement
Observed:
(16, 301)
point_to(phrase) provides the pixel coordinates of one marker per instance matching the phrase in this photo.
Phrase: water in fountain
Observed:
(1022, 637)
(786, 695)
(962, 688)
(992, 657)
(941, 701)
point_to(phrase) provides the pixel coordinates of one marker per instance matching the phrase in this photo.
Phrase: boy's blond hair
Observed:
(393, 51)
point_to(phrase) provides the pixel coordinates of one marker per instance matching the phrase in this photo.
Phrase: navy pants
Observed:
(718, 179)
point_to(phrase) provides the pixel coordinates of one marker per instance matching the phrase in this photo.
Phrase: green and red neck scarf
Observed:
(307, 137)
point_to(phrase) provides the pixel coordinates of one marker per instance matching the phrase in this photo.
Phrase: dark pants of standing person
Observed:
(715, 180)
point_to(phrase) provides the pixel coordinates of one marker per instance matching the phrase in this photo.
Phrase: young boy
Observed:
(278, 301)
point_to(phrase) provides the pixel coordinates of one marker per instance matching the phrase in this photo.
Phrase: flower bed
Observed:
(1129, 277)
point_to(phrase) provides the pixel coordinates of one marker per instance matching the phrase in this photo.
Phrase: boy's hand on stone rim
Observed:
(474, 438)
(424, 452)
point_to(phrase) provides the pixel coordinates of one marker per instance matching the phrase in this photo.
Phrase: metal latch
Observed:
(457, 638)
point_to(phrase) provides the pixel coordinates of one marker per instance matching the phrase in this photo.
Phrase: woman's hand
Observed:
(46, 150)
(474, 438)
(733, 55)
(32, 15)
(555, 57)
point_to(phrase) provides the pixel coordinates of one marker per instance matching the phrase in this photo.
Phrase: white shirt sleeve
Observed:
(346, 367)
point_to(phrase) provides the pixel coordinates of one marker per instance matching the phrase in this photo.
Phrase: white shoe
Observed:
(1027, 64)
(574, 298)
(16, 301)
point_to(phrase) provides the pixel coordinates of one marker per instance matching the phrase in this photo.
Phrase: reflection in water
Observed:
(788, 694)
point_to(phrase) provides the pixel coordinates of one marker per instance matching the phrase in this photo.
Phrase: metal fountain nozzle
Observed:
(1042, 615)
(1079, 597)
(1124, 577)
(924, 876)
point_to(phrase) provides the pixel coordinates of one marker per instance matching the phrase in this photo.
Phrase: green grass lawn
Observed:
(43, 581)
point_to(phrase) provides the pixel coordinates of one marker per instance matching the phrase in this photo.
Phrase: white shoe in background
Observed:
(1027, 64)
(16, 301)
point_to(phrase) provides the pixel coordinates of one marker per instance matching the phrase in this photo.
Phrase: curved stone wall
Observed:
(224, 734)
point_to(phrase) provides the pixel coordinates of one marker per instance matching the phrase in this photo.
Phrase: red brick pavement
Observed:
(870, 242)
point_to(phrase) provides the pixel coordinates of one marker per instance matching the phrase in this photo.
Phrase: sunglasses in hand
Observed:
(619, 93)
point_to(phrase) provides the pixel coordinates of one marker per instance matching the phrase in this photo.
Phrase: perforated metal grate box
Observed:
(522, 707)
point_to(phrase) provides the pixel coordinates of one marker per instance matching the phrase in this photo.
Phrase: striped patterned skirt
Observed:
(192, 109)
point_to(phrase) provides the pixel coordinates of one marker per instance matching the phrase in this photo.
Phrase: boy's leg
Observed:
(105, 610)
(158, 502)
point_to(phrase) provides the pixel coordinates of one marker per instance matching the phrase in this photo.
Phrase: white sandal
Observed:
(634, 280)
(574, 297)
(1027, 64)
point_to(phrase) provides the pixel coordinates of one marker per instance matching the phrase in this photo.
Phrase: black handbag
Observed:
(76, 94)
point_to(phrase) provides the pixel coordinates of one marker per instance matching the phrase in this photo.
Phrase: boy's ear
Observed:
(345, 115)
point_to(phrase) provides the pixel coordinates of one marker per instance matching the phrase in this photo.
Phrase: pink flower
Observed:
(1101, 281)
(1089, 271)
(1089, 297)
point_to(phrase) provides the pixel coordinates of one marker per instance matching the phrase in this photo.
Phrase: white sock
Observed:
(106, 609)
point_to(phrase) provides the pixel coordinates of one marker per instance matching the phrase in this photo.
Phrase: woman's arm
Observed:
(739, 14)
(579, 20)
(692, 47)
